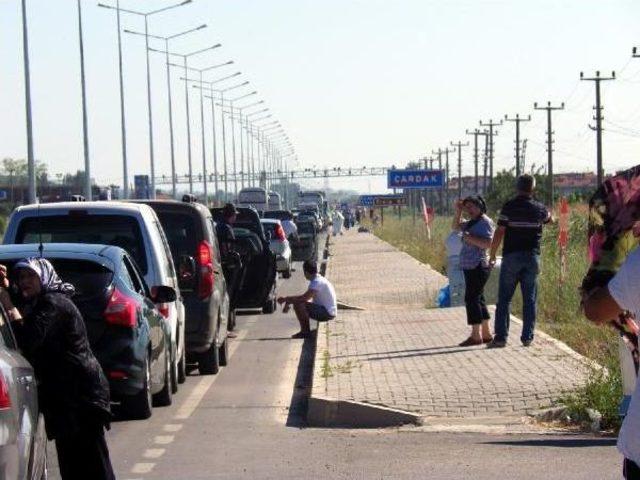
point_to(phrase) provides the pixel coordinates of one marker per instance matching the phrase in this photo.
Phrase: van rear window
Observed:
(118, 230)
(180, 232)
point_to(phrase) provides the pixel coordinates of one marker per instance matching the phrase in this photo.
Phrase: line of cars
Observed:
(151, 288)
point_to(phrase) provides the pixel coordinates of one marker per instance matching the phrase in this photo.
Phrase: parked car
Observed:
(257, 284)
(306, 247)
(314, 216)
(127, 333)
(134, 227)
(23, 440)
(279, 245)
(191, 235)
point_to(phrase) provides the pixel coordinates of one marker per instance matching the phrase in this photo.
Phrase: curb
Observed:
(329, 412)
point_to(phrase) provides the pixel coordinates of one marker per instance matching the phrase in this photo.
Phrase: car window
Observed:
(168, 256)
(120, 230)
(136, 281)
(216, 248)
(180, 233)
(306, 227)
(6, 335)
(88, 278)
(270, 228)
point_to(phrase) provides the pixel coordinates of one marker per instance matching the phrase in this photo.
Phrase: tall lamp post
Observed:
(85, 127)
(31, 167)
(252, 130)
(166, 40)
(185, 65)
(146, 16)
(249, 142)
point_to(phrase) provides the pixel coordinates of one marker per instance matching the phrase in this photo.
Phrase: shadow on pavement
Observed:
(559, 442)
(302, 387)
(412, 350)
(441, 351)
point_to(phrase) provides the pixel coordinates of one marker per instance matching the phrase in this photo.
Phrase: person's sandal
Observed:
(487, 339)
(470, 342)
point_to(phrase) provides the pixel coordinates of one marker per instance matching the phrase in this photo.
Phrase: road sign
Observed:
(415, 178)
(389, 201)
(367, 200)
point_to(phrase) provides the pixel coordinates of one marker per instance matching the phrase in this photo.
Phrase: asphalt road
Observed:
(248, 422)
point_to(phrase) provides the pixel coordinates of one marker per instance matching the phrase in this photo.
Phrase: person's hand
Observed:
(492, 261)
(4, 277)
(5, 299)
(281, 300)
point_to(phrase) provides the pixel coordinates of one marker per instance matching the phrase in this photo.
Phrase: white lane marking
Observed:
(153, 453)
(172, 427)
(203, 386)
(142, 468)
(164, 439)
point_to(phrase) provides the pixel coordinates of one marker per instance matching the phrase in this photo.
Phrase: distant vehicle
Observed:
(314, 215)
(23, 442)
(279, 245)
(194, 247)
(275, 201)
(132, 226)
(257, 285)
(254, 197)
(306, 247)
(309, 198)
(127, 333)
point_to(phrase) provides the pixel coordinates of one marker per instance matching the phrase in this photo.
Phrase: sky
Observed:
(354, 82)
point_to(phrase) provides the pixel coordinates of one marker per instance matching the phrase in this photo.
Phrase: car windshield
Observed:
(269, 227)
(119, 230)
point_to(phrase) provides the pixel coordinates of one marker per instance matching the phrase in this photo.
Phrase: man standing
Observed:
(601, 306)
(318, 302)
(520, 225)
(224, 229)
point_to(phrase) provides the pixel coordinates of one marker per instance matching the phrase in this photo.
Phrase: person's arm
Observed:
(479, 242)
(495, 243)
(305, 297)
(600, 307)
(455, 223)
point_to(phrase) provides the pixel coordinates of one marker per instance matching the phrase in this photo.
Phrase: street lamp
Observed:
(185, 60)
(146, 16)
(31, 167)
(166, 40)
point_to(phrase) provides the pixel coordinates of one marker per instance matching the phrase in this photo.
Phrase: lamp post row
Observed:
(244, 125)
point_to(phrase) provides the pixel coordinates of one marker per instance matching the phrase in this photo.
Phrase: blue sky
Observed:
(354, 82)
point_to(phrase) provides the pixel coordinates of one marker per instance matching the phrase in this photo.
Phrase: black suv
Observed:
(191, 236)
(257, 282)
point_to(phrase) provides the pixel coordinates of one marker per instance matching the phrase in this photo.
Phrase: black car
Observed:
(257, 283)
(306, 246)
(278, 214)
(190, 232)
(128, 335)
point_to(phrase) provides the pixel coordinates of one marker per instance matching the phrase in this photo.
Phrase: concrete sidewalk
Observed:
(401, 356)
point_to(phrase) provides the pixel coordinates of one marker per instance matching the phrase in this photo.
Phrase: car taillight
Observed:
(163, 308)
(5, 398)
(280, 233)
(205, 264)
(121, 310)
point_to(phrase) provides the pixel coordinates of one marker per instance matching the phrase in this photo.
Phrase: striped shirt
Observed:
(523, 218)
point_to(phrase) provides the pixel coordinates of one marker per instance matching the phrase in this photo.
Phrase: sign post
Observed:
(431, 179)
(563, 237)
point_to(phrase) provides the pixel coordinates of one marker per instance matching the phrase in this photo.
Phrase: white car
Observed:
(132, 226)
(278, 244)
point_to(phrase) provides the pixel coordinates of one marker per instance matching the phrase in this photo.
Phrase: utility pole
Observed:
(439, 153)
(517, 120)
(475, 134)
(459, 145)
(446, 152)
(549, 108)
(598, 118)
(491, 124)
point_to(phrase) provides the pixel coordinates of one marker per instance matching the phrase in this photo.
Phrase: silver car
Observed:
(278, 244)
(23, 440)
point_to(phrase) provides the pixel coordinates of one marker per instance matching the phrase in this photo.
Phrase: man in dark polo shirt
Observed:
(520, 226)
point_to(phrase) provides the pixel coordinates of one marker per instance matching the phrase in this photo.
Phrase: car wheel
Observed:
(231, 324)
(139, 406)
(223, 353)
(164, 397)
(209, 361)
(182, 368)
(174, 373)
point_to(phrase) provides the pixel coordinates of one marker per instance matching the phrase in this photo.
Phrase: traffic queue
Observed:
(158, 287)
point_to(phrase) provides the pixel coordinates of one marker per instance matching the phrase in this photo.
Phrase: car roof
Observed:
(174, 205)
(269, 220)
(95, 206)
(63, 250)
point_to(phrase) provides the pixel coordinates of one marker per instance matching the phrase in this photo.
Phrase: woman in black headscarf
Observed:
(72, 389)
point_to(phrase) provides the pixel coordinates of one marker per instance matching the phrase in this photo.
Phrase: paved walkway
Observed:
(398, 354)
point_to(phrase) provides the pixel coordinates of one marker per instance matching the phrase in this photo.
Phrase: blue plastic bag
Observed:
(444, 297)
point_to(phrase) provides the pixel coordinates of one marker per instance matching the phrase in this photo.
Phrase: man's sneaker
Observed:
(496, 343)
(527, 343)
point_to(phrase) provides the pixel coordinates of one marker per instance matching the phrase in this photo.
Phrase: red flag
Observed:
(425, 212)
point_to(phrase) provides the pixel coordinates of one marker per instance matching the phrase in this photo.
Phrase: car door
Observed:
(159, 330)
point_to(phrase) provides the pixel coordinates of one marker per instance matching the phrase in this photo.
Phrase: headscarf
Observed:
(478, 201)
(49, 279)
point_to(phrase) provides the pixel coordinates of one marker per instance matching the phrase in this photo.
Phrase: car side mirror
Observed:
(163, 294)
(186, 272)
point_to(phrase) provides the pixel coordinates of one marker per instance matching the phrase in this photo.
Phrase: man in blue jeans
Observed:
(520, 226)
